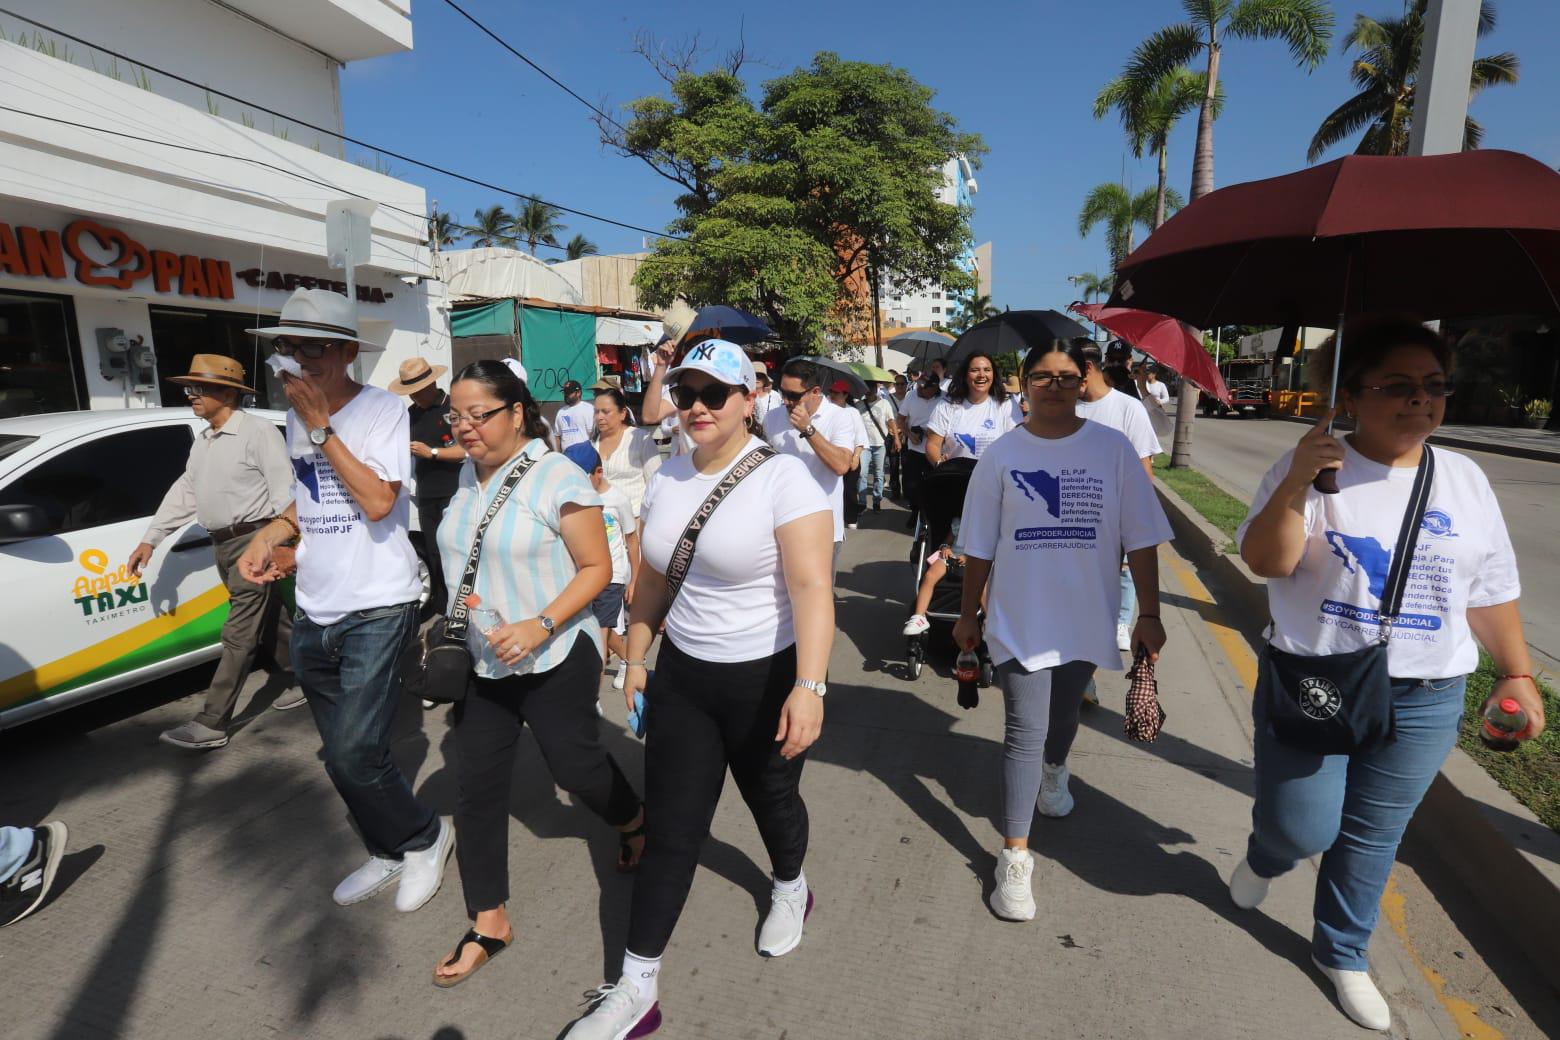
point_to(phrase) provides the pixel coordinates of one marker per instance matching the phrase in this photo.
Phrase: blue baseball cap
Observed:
(584, 456)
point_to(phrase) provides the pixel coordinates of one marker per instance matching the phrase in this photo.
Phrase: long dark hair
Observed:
(1120, 378)
(1058, 346)
(959, 389)
(501, 381)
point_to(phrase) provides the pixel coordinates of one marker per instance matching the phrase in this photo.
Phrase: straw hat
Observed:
(214, 370)
(416, 374)
(317, 314)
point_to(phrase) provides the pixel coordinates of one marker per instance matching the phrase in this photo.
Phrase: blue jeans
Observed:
(871, 476)
(347, 670)
(1128, 597)
(15, 846)
(1352, 809)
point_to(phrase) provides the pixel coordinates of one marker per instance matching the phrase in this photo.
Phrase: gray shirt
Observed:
(236, 474)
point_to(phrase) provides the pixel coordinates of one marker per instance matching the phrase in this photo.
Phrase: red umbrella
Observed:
(1172, 343)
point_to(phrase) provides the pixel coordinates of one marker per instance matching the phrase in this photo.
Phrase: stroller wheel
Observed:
(915, 656)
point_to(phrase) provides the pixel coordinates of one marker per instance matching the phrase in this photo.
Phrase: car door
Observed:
(75, 615)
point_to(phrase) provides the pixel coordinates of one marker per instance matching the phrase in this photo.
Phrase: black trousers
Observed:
(914, 469)
(560, 706)
(893, 468)
(429, 512)
(702, 719)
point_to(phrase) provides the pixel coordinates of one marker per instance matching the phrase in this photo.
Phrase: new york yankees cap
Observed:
(721, 360)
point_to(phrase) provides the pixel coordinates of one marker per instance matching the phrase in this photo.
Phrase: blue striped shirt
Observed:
(525, 563)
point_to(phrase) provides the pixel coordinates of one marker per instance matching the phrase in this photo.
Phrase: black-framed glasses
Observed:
(193, 392)
(795, 396)
(1065, 380)
(313, 349)
(712, 395)
(1404, 389)
(454, 419)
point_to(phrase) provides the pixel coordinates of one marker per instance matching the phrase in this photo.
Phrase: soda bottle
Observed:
(1503, 720)
(484, 618)
(966, 669)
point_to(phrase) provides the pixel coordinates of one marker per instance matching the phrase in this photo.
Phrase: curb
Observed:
(1518, 451)
(1506, 858)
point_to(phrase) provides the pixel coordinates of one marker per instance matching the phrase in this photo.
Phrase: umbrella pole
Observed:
(1327, 480)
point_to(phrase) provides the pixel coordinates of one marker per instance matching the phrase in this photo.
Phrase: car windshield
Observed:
(11, 443)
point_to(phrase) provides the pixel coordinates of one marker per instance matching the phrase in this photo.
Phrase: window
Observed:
(936, 295)
(40, 367)
(118, 477)
(936, 310)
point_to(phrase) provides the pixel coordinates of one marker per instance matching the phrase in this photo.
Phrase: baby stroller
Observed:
(942, 502)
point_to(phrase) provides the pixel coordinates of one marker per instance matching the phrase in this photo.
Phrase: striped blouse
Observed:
(525, 563)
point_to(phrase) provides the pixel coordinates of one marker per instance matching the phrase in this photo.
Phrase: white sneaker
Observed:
(1091, 695)
(1012, 899)
(1358, 996)
(424, 871)
(621, 677)
(1123, 638)
(916, 625)
(618, 1012)
(1055, 800)
(369, 879)
(782, 929)
(1247, 889)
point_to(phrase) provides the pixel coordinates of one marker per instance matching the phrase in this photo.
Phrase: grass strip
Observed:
(1217, 506)
(1532, 772)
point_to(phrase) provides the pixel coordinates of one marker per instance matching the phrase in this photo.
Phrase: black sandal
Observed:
(626, 863)
(490, 948)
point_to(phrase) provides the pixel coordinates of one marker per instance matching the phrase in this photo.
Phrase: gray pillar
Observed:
(1445, 74)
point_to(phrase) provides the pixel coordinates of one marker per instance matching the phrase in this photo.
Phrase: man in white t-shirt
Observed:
(878, 415)
(822, 435)
(915, 412)
(765, 400)
(1153, 387)
(658, 406)
(357, 589)
(575, 420)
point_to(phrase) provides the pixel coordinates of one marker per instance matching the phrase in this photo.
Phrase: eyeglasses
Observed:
(713, 396)
(795, 396)
(193, 392)
(476, 419)
(1067, 381)
(1406, 389)
(312, 349)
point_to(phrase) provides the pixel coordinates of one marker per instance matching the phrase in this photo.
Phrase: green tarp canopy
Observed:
(555, 347)
(486, 319)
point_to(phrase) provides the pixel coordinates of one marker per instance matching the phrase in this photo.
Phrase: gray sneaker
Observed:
(194, 735)
(293, 698)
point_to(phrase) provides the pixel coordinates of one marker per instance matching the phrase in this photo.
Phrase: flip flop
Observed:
(490, 948)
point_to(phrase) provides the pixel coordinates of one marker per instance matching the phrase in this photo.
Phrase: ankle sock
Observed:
(792, 887)
(643, 972)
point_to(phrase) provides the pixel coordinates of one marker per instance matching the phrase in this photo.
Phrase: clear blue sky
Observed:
(1022, 74)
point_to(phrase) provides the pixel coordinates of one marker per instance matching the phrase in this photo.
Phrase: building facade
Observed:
(144, 220)
(904, 307)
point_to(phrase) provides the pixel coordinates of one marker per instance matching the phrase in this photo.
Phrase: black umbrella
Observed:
(840, 370)
(1014, 332)
(731, 324)
(924, 347)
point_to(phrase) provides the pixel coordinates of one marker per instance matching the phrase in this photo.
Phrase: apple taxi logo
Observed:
(103, 591)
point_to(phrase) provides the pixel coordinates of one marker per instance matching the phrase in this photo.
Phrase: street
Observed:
(1237, 452)
(196, 899)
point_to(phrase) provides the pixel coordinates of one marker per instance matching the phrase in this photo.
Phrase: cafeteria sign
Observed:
(108, 258)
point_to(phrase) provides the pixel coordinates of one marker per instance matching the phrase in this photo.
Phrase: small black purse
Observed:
(437, 665)
(1338, 704)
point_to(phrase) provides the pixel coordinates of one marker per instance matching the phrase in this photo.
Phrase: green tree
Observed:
(973, 308)
(1304, 25)
(1121, 213)
(1149, 110)
(491, 227)
(441, 230)
(1092, 285)
(579, 246)
(1385, 70)
(535, 222)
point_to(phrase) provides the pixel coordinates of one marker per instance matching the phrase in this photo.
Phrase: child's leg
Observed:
(934, 572)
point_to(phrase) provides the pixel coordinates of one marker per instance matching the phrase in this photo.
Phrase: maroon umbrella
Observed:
(1167, 340)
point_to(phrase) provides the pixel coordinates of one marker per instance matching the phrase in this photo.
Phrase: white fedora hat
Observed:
(316, 314)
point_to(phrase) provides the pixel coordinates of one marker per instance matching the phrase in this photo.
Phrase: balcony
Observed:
(347, 30)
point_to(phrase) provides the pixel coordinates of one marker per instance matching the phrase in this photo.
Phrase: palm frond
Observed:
(1304, 25)
(1346, 120)
(1164, 51)
(1105, 202)
(1473, 134)
(1366, 34)
(1495, 71)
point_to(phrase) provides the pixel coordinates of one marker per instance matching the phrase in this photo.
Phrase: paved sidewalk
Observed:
(200, 896)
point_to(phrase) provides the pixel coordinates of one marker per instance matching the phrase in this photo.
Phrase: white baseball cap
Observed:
(723, 360)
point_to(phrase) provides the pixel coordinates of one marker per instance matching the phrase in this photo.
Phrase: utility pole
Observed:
(1445, 74)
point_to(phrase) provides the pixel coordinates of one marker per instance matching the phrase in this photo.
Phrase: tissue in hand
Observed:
(280, 363)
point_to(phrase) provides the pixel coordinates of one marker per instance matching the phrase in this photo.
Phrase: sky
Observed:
(1023, 75)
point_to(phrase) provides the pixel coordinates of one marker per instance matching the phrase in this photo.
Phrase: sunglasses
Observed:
(312, 349)
(1404, 390)
(454, 419)
(193, 392)
(1066, 381)
(712, 395)
(795, 396)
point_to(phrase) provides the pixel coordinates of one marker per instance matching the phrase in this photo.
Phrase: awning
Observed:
(627, 332)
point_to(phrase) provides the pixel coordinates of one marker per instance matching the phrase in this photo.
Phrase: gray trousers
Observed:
(1036, 733)
(256, 617)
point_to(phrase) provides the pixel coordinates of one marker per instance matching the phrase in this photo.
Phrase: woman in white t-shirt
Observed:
(739, 683)
(629, 457)
(1326, 558)
(1050, 508)
(976, 411)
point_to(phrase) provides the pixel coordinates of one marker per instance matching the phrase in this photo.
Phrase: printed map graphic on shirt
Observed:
(1048, 487)
(1364, 554)
(1072, 496)
(303, 469)
(968, 440)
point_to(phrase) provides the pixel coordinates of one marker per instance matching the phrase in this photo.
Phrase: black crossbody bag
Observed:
(1338, 704)
(437, 666)
(682, 552)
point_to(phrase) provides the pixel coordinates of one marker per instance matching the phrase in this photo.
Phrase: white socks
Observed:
(791, 887)
(643, 972)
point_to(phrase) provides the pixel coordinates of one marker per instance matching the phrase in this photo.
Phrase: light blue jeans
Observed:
(1352, 809)
(15, 846)
(1128, 597)
(871, 476)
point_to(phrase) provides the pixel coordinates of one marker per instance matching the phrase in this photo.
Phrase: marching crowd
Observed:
(555, 549)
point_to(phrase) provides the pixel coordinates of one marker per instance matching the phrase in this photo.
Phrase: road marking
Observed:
(1393, 903)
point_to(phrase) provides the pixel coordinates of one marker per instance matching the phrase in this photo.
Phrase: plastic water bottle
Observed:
(486, 619)
(966, 669)
(1503, 720)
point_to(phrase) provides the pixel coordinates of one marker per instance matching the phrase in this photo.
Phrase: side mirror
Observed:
(21, 523)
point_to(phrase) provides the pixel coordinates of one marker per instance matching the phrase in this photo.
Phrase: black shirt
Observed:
(436, 478)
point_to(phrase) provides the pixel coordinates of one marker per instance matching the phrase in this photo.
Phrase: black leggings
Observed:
(560, 706)
(701, 719)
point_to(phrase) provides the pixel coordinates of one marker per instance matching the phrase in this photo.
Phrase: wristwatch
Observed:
(547, 623)
(814, 685)
(320, 436)
(435, 452)
(809, 431)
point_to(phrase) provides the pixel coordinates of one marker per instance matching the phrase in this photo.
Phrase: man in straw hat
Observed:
(237, 478)
(436, 457)
(358, 587)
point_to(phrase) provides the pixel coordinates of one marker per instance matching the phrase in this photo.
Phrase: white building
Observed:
(112, 238)
(935, 304)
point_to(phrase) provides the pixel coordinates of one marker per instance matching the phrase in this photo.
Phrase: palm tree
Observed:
(536, 221)
(1092, 285)
(1150, 110)
(1385, 71)
(441, 230)
(1121, 213)
(491, 226)
(1305, 25)
(972, 309)
(579, 246)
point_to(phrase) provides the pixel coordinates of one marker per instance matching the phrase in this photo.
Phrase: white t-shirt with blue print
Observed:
(969, 429)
